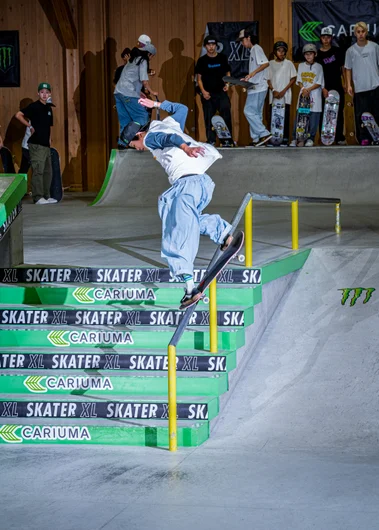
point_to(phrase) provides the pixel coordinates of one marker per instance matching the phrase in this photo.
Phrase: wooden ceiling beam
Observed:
(65, 22)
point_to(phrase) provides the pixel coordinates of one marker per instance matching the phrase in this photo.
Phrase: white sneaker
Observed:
(293, 143)
(309, 143)
(42, 201)
(50, 200)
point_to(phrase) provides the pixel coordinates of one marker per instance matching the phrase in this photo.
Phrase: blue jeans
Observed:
(253, 112)
(180, 208)
(128, 109)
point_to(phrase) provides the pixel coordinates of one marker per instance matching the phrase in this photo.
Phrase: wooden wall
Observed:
(86, 123)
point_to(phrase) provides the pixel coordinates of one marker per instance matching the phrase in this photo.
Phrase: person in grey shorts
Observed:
(39, 113)
(362, 68)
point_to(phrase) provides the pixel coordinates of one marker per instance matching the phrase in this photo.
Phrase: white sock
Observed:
(190, 286)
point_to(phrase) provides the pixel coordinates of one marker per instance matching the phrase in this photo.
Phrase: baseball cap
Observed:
(130, 131)
(210, 39)
(327, 31)
(144, 39)
(242, 34)
(44, 85)
(309, 48)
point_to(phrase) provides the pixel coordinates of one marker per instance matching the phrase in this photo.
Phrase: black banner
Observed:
(98, 317)
(309, 17)
(114, 362)
(227, 33)
(11, 217)
(90, 409)
(9, 59)
(112, 275)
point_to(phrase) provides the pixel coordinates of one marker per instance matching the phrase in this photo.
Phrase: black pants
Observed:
(218, 102)
(286, 130)
(340, 118)
(25, 161)
(365, 102)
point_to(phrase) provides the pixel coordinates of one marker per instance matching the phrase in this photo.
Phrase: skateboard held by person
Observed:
(329, 120)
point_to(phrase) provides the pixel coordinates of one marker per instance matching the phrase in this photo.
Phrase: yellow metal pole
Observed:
(338, 224)
(249, 234)
(172, 423)
(295, 224)
(213, 316)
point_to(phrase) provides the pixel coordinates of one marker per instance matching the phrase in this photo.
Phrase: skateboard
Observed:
(369, 122)
(220, 264)
(7, 160)
(329, 120)
(303, 113)
(277, 122)
(56, 189)
(246, 85)
(222, 131)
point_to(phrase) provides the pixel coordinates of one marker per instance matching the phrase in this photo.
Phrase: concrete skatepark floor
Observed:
(296, 446)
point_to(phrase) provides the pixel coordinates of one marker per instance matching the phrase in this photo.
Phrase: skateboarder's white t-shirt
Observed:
(280, 74)
(309, 75)
(173, 159)
(364, 63)
(257, 58)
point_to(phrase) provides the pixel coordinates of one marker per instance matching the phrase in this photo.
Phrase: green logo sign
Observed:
(307, 31)
(357, 292)
(57, 338)
(33, 383)
(81, 295)
(6, 58)
(8, 434)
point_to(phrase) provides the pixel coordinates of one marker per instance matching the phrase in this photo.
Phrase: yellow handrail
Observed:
(249, 234)
(172, 408)
(213, 317)
(295, 224)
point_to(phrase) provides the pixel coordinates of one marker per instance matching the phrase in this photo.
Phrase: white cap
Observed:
(144, 39)
(327, 31)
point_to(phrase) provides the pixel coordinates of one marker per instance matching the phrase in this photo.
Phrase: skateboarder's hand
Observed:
(276, 94)
(247, 78)
(350, 91)
(305, 92)
(146, 102)
(206, 95)
(1, 142)
(192, 152)
(325, 93)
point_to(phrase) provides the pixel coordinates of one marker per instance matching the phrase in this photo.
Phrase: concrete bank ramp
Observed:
(350, 173)
(313, 381)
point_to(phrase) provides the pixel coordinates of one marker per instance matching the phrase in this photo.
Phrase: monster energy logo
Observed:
(6, 58)
(307, 31)
(357, 292)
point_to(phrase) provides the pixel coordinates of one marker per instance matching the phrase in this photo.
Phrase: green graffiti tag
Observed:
(6, 59)
(357, 292)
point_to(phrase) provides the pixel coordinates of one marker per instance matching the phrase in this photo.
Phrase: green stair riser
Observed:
(282, 267)
(198, 340)
(82, 435)
(224, 361)
(108, 385)
(197, 409)
(72, 296)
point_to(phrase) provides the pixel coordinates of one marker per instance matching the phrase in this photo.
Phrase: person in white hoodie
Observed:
(180, 207)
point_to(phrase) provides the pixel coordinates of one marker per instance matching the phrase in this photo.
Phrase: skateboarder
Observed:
(362, 67)
(40, 113)
(282, 76)
(332, 61)
(258, 73)
(180, 207)
(134, 76)
(210, 70)
(310, 79)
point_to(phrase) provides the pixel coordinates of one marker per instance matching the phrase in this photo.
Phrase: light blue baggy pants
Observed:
(253, 111)
(180, 208)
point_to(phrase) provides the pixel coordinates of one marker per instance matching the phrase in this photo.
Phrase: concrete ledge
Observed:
(345, 172)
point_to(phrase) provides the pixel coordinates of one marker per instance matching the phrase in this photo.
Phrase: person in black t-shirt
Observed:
(332, 60)
(210, 69)
(40, 114)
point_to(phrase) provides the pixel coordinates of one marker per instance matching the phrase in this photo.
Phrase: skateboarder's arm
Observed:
(1, 142)
(205, 93)
(349, 87)
(21, 117)
(161, 140)
(257, 70)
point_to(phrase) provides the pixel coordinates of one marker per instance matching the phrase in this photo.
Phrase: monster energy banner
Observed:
(309, 17)
(143, 275)
(11, 217)
(109, 410)
(9, 59)
(227, 33)
(73, 317)
(114, 362)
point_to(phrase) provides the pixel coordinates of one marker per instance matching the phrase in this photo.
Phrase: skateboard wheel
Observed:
(241, 258)
(206, 300)
(351, 134)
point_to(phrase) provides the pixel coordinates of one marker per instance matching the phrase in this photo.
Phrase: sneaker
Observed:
(264, 139)
(190, 298)
(342, 142)
(252, 144)
(309, 143)
(293, 143)
(365, 142)
(42, 201)
(50, 200)
(227, 241)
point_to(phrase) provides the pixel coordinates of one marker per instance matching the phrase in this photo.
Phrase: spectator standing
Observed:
(210, 70)
(258, 74)
(125, 56)
(40, 113)
(332, 61)
(282, 76)
(362, 69)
